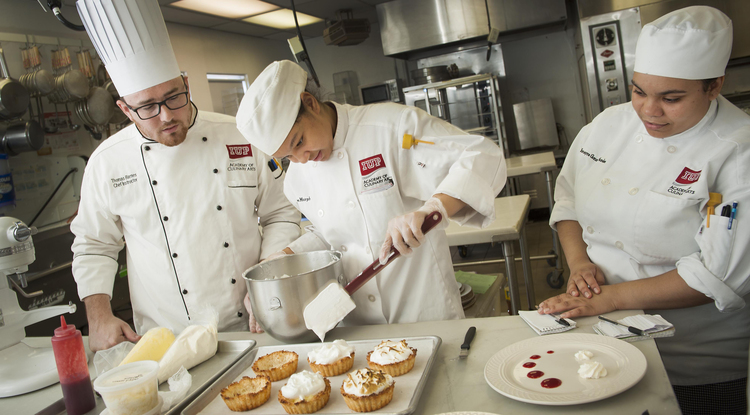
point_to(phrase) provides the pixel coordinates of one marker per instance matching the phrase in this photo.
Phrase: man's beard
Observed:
(174, 138)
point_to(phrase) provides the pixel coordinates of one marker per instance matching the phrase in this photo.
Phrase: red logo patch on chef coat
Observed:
(371, 164)
(239, 151)
(687, 177)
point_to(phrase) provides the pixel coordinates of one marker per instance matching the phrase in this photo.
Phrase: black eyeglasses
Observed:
(148, 111)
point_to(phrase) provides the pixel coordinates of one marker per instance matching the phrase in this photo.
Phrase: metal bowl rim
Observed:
(244, 274)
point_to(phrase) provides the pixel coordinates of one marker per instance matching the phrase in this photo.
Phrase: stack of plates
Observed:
(467, 295)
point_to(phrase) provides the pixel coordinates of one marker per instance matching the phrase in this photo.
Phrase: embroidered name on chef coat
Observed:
(375, 177)
(593, 156)
(237, 152)
(125, 180)
(686, 178)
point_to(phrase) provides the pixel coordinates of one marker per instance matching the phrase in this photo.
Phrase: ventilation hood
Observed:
(409, 26)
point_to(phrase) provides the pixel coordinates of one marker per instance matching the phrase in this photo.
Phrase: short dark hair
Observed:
(312, 90)
(707, 83)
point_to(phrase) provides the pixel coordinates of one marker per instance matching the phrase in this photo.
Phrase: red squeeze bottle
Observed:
(70, 358)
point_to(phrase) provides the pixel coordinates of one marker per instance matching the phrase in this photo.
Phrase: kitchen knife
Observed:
(467, 343)
(334, 302)
(631, 329)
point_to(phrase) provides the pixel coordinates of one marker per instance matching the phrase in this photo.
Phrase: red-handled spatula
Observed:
(329, 307)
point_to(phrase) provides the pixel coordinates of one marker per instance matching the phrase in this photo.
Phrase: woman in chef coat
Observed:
(351, 177)
(631, 209)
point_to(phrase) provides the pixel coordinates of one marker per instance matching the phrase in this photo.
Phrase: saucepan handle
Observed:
(373, 269)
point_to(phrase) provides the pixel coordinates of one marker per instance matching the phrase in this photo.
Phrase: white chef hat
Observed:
(132, 41)
(270, 106)
(690, 43)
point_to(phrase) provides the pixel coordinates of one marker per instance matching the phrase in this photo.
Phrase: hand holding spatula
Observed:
(326, 310)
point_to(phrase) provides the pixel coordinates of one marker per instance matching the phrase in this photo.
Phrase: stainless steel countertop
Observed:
(459, 385)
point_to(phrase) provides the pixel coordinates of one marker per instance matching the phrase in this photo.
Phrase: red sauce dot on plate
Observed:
(529, 365)
(551, 383)
(536, 356)
(550, 351)
(535, 374)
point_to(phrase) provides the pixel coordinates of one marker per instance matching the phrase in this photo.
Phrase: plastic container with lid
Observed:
(130, 389)
(73, 369)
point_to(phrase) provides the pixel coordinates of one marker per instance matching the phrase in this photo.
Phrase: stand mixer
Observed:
(22, 368)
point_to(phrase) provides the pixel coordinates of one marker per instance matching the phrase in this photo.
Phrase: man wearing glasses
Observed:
(180, 188)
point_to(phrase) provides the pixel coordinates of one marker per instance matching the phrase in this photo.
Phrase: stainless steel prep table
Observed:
(459, 385)
(535, 164)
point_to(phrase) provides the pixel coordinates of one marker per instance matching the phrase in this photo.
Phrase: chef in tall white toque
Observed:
(631, 209)
(181, 189)
(364, 190)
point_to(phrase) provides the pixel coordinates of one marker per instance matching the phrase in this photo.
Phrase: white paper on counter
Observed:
(405, 385)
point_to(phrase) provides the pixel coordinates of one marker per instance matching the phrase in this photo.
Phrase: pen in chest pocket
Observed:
(733, 214)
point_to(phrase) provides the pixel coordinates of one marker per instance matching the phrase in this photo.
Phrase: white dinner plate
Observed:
(506, 374)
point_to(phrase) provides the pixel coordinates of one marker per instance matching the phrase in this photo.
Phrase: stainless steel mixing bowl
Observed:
(278, 303)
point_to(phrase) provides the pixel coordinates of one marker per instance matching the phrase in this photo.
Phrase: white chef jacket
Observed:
(371, 179)
(641, 202)
(189, 215)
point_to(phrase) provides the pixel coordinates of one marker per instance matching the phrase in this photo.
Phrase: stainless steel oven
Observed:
(389, 90)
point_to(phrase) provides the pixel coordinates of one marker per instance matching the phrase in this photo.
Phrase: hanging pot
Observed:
(14, 98)
(21, 137)
(70, 86)
(97, 108)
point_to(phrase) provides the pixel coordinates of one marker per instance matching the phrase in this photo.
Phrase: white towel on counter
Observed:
(545, 323)
(653, 325)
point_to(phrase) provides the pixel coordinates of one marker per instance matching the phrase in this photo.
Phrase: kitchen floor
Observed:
(539, 241)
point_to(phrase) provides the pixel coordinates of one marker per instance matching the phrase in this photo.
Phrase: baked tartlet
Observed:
(331, 359)
(367, 390)
(393, 358)
(277, 365)
(247, 393)
(305, 392)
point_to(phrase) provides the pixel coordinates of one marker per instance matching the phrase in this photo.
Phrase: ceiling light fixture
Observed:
(232, 9)
(282, 19)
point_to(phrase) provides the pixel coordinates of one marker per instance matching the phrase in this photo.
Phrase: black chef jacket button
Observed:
(205, 139)
(174, 255)
(166, 218)
(153, 182)
(239, 314)
(218, 207)
(226, 244)
(184, 291)
(216, 170)
(147, 148)
(234, 280)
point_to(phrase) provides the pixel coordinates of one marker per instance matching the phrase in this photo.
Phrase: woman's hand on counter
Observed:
(572, 307)
(252, 323)
(585, 278)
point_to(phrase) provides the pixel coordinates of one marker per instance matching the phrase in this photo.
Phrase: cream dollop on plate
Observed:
(583, 356)
(592, 370)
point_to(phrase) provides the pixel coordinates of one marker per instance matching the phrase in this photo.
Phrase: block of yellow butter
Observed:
(151, 346)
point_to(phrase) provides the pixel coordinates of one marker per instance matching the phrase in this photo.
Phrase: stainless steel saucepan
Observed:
(14, 98)
(97, 109)
(21, 137)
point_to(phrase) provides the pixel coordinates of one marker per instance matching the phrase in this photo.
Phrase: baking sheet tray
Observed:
(405, 397)
(228, 353)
